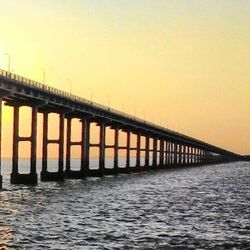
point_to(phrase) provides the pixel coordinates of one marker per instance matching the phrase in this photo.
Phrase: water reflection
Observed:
(194, 208)
(5, 236)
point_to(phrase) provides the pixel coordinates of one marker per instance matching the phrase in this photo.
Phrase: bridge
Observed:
(169, 149)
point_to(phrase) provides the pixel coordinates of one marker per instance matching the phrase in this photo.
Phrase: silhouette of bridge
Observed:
(168, 149)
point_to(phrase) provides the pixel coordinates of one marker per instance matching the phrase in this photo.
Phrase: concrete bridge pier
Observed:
(116, 151)
(188, 156)
(175, 154)
(16, 177)
(128, 151)
(102, 145)
(154, 163)
(147, 139)
(138, 152)
(161, 153)
(184, 155)
(85, 146)
(69, 173)
(168, 153)
(45, 174)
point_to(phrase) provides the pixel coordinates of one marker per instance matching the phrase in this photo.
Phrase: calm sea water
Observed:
(193, 208)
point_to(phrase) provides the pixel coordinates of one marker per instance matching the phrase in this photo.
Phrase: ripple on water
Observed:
(194, 208)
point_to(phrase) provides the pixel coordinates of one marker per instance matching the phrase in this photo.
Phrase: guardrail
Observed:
(42, 86)
(52, 90)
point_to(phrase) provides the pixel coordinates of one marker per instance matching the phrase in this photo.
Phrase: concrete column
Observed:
(16, 177)
(45, 144)
(188, 155)
(15, 142)
(161, 153)
(128, 151)
(199, 157)
(167, 152)
(68, 146)
(102, 149)
(61, 146)
(1, 178)
(196, 155)
(138, 151)
(192, 156)
(184, 155)
(170, 153)
(45, 174)
(85, 146)
(147, 151)
(175, 153)
(155, 153)
(180, 154)
(116, 148)
(33, 142)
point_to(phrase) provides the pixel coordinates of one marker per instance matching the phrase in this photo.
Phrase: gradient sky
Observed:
(182, 64)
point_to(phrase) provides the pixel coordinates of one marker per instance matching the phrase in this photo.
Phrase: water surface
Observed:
(193, 208)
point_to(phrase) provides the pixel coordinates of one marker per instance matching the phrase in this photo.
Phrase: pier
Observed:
(169, 149)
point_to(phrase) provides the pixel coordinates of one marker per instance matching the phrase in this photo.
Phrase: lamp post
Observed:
(70, 85)
(44, 74)
(8, 55)
(91, 95)
(108, 98)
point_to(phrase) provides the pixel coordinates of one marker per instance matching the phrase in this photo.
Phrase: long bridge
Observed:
(168, 148)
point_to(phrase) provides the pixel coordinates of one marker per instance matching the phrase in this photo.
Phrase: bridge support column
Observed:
(196, 156)
(85, 146)
(191, 155)
(68, 149)
(16, 177)
(201, 156)
(200, 161)
(138, 152)
(128, 152)
(45, 174)
(161, 153)
(154, 165)
(1, 177)
(175, 154)
(102, 145)
(116, 151)
(188, 155)
(170, 153)
(184, 155)
(69, 173)
(147, 152)
(180, 155)
(167, 153)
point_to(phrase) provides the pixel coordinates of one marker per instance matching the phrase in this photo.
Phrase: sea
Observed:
(206, 207)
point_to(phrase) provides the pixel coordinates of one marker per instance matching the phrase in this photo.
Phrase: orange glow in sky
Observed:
(182, 64)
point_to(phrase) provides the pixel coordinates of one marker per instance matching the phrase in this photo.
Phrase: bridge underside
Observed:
(162, 148)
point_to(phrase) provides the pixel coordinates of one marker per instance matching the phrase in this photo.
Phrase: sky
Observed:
(182, 64)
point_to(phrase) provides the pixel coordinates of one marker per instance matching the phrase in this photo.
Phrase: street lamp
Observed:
(44, 74)
(91, 95)
(108, 98)
(70, 85)
(8, 61)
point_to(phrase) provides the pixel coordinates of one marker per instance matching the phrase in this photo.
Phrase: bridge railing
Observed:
(42, 86)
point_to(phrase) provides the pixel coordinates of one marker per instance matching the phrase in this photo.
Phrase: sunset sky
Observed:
(181, 64)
